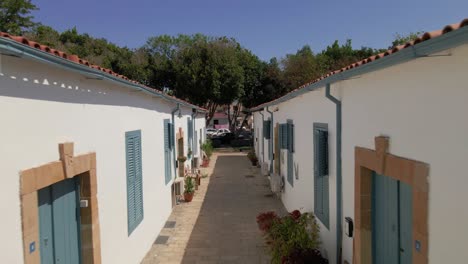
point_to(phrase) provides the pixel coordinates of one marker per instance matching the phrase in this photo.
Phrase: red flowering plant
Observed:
(265, 220)
(293, 238)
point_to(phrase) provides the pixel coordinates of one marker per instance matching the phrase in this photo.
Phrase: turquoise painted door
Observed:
(59, 223)
(391, 221)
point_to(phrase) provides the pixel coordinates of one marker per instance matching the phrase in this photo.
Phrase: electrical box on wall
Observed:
(348, 226)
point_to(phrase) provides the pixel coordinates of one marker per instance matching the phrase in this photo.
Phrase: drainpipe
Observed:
(177, 108)
(194, 115)
(263, 142)
(339, 193)
(271, 141)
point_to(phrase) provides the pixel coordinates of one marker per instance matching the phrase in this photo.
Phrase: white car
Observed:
(211, 131)
(222, 131)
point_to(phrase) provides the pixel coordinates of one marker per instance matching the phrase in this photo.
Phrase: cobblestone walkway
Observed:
(219, 226)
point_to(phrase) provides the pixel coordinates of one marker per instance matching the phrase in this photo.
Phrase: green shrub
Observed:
(251, 155)
(207, 147)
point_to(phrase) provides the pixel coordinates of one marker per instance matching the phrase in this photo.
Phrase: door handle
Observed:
(402, 250)
(46, 239)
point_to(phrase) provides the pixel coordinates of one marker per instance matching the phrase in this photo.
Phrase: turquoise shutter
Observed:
(167, 150)
(134, 179)
(284, 136)
(321, 179)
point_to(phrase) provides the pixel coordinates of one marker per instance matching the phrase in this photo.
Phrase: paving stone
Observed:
(219, 225)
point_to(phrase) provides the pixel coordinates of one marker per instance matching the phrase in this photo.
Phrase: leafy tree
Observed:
(15, 16)
(400, 39)
(299, 68)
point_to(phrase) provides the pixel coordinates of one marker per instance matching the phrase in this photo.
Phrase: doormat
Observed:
(161, 240)
(170, 224)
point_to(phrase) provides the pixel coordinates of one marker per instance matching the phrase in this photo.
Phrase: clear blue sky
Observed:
(267, 27)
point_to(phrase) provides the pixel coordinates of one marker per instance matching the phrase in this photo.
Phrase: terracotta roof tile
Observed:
(78, 60)
(424, 37)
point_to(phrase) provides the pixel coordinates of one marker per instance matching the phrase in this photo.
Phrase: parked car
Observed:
(210, 132)
(222, 131)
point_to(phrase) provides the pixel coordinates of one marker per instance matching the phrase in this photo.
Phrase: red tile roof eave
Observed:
(75, 59)
(424, 37)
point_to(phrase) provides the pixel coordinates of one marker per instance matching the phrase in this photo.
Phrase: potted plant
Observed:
(181, 159)
(188, 189)
(207, 148)
(253, 158)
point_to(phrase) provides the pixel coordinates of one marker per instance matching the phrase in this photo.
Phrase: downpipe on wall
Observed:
(194, 115)
(339, 193)
(263, 140)
(177, 108)
(270, 142)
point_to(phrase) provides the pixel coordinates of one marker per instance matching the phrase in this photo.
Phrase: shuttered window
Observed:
(134, 179)
(168, 145)
(321, 187)
(284, 136)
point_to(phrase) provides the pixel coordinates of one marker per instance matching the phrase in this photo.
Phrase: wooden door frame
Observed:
(413, 173)
(34, 179)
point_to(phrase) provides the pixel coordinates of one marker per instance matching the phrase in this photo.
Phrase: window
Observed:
(284, 136)
(134, 179)
(321, 188)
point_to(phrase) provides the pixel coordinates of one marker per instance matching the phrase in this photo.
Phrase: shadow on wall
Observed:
(22, 78)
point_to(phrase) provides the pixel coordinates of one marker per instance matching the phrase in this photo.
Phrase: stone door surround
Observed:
(34, 179)
(413, 173)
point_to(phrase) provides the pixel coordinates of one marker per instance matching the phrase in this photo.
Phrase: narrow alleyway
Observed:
(219, 225)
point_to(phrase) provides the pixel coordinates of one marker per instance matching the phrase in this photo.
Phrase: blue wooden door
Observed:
(391, 221)
(59, 223)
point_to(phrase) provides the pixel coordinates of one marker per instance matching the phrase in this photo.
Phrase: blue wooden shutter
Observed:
(167, 150)
(321, 179)
(134, 179)
(284, 136)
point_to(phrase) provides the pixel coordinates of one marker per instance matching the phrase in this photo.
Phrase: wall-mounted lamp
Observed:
(276, 109)
(179, 115)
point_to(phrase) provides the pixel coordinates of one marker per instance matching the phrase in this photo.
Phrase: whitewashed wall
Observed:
(42, 106)
(304, 111)
(422, 106)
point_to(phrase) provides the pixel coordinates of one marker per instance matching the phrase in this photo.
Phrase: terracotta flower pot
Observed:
(188, 197)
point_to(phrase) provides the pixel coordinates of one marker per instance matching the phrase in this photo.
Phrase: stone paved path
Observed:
(219, 226)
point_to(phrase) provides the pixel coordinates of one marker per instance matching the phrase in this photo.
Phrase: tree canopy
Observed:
(205, 70)
(15, 15)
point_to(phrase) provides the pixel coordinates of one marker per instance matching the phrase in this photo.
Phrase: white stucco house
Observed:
(376, 151)
(88, 158)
